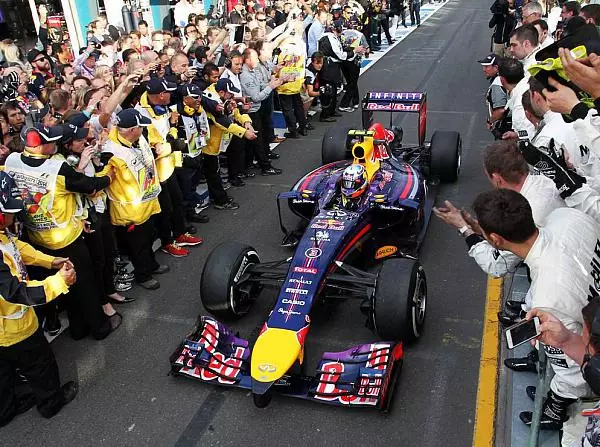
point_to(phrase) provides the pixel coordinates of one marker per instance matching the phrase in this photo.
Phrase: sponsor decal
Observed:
(294, 301)
(391, 207)
(385, 251)
(267, 367)
(337, 213)
(327, 227)
(313, 253)
(224, 369)
(394, 107)
(310, 270)
(290, 312)
(297, 291)
(397, 96)
(299, 201)
(300, 281)
(321, 236)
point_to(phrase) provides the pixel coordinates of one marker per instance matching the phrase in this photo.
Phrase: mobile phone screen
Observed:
(522, 332)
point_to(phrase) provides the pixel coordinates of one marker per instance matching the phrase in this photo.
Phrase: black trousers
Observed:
(210, 167)
(351, 73)
(260, 147)
(171, 220)
(236, 156)
(83, 300)
(384, 23)
(35, 360)
(415, 12)
(266, 110)
(293, 111)
(138, 244)
(101, 245)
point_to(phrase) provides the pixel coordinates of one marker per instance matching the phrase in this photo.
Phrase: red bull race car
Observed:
(364, 214)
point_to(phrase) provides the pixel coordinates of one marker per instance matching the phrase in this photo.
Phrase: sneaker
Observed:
(162, 269)
(187, 239)
(122, 286)
(345, 109)
(271, 171)
(226, 186)
(69, 391)
(199, 207)
(355, 107)
(198, 218)
(151, 284)
(278, 140)
(175, 250)
(237, 182)
(227, 206)
(248, 174)
(291, 134)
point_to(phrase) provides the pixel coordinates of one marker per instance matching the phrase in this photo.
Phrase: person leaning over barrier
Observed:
(23, 346)
(562, 257)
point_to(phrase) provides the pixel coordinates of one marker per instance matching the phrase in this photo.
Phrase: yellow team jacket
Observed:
(125, 193)
(17, 293)
(217, 131)
(66, 208)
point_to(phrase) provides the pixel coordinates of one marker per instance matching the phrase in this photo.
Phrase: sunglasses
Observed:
(38, 60)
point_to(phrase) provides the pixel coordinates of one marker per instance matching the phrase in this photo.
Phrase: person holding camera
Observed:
(55, 220)
(23, 347)
(222, 127)
(257, 92)
(85, 64)
(315, 88)
(82, 151)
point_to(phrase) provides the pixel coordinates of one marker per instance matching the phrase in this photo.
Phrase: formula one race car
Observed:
(365, 214)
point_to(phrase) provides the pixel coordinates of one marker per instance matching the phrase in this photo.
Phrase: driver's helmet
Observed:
(354, 181)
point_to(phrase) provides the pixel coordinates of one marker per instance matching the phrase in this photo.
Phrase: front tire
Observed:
(446, 149)
(222, 292)
(400, 300)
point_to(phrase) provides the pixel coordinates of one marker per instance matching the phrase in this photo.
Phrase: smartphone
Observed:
(522, 332)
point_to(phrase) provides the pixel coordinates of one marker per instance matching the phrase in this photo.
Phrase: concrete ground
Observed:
(126, 396)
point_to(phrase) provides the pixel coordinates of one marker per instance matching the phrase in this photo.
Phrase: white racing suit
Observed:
(564, 264)
(543, 198)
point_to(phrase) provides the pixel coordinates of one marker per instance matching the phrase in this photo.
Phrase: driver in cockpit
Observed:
(353, 186)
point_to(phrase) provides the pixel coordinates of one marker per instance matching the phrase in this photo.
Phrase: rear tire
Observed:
(400, 300)
(335, 145)
(446, 148)
(221, 292)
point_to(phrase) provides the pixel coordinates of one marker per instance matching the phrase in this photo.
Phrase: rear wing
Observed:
(411, 102)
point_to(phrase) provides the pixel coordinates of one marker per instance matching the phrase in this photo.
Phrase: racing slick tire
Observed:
(221, 292)
(400, 300)
(446, 147)
(335, 145)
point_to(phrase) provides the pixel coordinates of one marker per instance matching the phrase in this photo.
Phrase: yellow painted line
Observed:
(485, 412)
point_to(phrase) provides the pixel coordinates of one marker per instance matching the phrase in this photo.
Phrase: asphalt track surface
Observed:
(126, 396)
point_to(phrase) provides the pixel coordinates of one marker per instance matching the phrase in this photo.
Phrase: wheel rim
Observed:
(419, 304)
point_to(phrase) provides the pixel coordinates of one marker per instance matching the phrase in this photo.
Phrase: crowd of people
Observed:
(544, 213)
(102, 153)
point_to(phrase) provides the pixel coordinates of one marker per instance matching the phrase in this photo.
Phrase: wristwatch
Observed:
(462, 230)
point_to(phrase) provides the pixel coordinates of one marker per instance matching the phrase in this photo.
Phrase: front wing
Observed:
(362, 376)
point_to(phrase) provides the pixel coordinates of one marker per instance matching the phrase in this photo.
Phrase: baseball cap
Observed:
(159, 85)
(33, 54)
(78, 119)
(72, 132)
(226, 85)
(39, 134)
(490, 59)
(129, 118)
(189, 90)
(9, 203)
